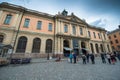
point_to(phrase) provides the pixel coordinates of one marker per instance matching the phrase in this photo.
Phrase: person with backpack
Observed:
(84, 59)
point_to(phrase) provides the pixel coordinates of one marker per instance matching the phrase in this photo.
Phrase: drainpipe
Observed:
(17, 33)
(54, 34)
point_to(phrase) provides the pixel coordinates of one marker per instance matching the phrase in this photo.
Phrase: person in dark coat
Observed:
(87, 56)
(103, 57)
(74, 57)
(92, 57)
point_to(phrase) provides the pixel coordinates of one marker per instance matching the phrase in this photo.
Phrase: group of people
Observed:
(73, 58)
(86, 58)
(111, 57)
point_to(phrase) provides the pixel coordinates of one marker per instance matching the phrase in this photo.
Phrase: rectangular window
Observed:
(116, 41)
(104, 36)
(50, 27)
(39, 24)
(74, 30)
(65, 28)
(111, 42)
(8, 19)
(26, 23)
(94, 34)
(114, 36)
(81, 31)
(89, 34)
(99, 35)
(109, 37)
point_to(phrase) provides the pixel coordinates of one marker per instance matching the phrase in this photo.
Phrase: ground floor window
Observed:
(36, 45)
(48, 46)
(21, 46)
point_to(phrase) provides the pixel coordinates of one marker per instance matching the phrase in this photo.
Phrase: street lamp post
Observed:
(48, 56)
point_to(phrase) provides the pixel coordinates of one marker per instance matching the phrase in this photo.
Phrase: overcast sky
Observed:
(101, 13)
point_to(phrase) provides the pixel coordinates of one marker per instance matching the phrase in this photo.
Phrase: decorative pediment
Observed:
(72, 17)
(75, 18)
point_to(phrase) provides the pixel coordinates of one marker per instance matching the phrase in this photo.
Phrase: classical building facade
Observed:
(114, 37)
(30, 31)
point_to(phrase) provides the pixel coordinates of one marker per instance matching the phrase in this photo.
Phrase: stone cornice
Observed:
(35, 33)
(7, 28)
(72, 36)
(26, 32)
(95, 41)
(25, 10)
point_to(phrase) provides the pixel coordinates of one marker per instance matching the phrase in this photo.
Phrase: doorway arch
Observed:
(66, 45)
(83, 46)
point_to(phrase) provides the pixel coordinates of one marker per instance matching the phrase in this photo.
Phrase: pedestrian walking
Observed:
(70, 57)
(75, 57)
(92, 57)
(108, 58)
(87, 56)
(84, 59)
(103, 57)
(113, 60)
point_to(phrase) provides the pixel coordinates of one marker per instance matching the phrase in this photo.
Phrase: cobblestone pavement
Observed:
(42, 69)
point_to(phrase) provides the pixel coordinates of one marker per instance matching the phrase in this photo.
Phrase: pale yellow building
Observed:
(37, 33)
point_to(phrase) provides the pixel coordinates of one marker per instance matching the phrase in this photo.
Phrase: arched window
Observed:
(101, 46)
(21, 46)
(92, 49)
(48, 46)
(97, 49)
(66, 43)
(36, 45)
(82, 44)
(1, 38)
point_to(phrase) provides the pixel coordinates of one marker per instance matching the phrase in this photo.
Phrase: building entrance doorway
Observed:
(83, 48)
(66, 49)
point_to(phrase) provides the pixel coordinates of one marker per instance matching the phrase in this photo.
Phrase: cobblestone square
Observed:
(43, 69)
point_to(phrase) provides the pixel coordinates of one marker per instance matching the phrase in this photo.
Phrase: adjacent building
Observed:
(114, 37)
(37, 33)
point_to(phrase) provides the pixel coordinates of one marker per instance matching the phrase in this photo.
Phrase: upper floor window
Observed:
(81, 31)
(8, 19)
(39, 24)
(94, 34)
(50, 27)
(1, 38)
(99, 35)
(74, 30)
(104, 36)
(109, 37)
(26, 23)
(111, 42)
(65, 28)
(116, 41)
(89, 34)
(114, 36)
